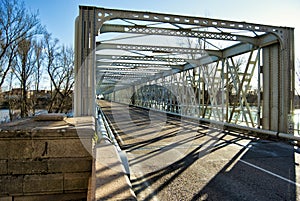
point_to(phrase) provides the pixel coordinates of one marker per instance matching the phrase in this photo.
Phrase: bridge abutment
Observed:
(46, 160)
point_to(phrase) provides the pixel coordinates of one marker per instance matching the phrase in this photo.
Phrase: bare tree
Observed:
(59, 62)
(16, 24)
(13, 99)
(37, 71)
(51, 52)
(38, 54)
(6, 62)
(23, 71)
(61, 76)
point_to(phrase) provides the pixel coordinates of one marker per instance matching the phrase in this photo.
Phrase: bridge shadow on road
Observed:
(185, 160)
(260, 170)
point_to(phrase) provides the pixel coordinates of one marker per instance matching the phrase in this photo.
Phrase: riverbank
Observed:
(5, 118)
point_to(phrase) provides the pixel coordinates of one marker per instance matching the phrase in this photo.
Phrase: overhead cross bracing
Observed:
(120, 51)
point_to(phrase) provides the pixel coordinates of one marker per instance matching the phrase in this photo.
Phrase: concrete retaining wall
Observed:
(46, 160)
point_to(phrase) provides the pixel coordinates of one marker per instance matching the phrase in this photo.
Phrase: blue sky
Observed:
(59, 15)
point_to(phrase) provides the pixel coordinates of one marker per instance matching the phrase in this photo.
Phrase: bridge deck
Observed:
(175, 159)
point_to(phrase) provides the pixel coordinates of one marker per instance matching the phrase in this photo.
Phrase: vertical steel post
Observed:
(271, 95)
(200, 91)
(77, 52)
(222, 88)
(258, 89)
(227, 91)
(278, 83)
(85, 76)
(287, 81)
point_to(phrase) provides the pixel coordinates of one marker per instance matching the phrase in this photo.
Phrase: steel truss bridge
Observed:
(226, 71)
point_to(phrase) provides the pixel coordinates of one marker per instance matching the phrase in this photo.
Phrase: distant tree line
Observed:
(28, 51)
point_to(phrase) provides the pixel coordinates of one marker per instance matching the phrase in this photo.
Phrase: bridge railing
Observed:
(232, 127)
(104, 131)
(296, 122)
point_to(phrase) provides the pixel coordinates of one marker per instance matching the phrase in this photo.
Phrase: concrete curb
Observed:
(111, 181)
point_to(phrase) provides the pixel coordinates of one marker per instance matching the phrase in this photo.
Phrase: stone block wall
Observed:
(46, 160)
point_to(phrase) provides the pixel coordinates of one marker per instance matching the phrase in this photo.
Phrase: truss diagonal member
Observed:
(213, 83)
(243, 82)
(176, 32)
(158, 49)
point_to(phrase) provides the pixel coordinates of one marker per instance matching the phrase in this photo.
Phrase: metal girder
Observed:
(139, 73)
(140, 58)
(136, 65)
(157, 49)
(235, 50)
(176, 32)
(104, 14)
(266, 40)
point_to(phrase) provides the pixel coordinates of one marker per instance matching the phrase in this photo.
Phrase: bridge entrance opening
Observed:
(227, 71)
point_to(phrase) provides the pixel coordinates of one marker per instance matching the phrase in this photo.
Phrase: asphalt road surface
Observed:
(175, 159)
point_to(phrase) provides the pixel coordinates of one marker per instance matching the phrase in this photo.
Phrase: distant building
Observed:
(41, 97)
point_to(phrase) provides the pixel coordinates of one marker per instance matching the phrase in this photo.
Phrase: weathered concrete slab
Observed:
(50, 117)
(5, 198)
(3, 167)
(10, 183)
(76, 181)
(69, 165)
(23, 167)
(43, 183)
(48, 159)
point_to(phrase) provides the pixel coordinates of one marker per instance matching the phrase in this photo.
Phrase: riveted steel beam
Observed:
(140, 58)
(105, 14)
(176, 32)
(157, 49)
(136, 65)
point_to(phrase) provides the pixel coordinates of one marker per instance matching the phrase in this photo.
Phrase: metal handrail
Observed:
(104, 131)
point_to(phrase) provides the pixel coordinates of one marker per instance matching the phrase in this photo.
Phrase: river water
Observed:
(4, 115)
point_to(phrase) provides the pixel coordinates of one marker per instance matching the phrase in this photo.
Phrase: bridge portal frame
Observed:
(277, 69)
